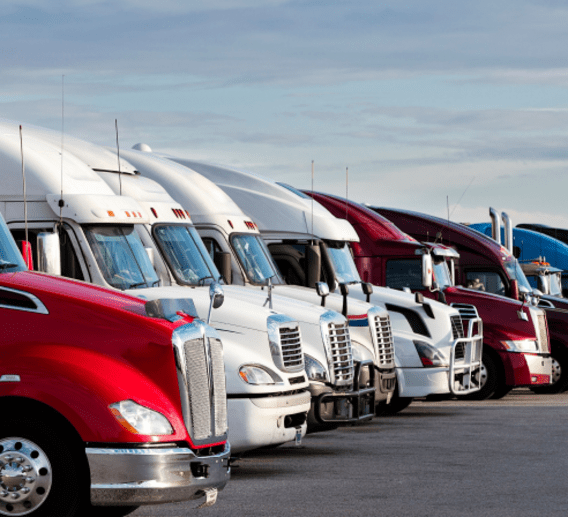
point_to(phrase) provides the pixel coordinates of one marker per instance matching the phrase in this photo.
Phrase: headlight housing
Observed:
(361, 353)
(429, 355)
(522, 345)
(257, 375)
(314, 369)
(139, 419)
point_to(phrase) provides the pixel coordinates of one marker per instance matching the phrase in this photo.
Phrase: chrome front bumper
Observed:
(153, 475)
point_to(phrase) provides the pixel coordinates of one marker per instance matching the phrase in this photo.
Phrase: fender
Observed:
(80, 384)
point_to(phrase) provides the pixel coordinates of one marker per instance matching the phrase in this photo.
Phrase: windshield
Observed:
(442, 275)
(186, 254)
(345, 269)
(516, 273)
(254, 258)
(121, 256)
(555, 284)
(10, 258)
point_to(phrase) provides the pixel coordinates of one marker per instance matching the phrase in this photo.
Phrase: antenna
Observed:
(118, 156)
(346, 190)
(24, 182)
(312, 197)
(62, 142)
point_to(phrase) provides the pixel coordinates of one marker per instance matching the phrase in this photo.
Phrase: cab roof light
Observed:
(230, 224)
(153, 210)
(110, 213)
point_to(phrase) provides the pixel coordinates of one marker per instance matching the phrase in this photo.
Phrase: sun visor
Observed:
(97, 209)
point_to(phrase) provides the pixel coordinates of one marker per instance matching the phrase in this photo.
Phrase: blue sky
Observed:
(422, 100)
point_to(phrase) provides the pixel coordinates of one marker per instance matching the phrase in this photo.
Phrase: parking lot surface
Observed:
(494, 458)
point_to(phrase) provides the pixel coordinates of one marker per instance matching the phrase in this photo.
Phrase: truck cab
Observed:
(310, 245)
(101, 399)
(517, 342)
(103, 240)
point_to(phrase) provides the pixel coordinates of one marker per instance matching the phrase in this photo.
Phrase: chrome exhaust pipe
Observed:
(495, 225)
(508, 227)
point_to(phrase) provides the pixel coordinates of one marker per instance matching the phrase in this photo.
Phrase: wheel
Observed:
(489, 381)
(396, 405)
(40, 473)
(559, 377)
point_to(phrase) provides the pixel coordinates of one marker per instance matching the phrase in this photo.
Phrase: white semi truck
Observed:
(98, 234)
(366, 338)
(297, 230)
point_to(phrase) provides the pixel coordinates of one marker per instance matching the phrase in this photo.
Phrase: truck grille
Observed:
(542, 334)
(201, 377)
(341, 354)
(457, 327)
(467, 312)
(291, 344)
(385, 343)
(460, 351)
(285, 343)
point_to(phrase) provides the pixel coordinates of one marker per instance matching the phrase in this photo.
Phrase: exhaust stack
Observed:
(495, 225)
(508, 227)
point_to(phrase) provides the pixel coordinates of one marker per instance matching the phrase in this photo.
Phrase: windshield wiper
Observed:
(133, 286)
(5, 265)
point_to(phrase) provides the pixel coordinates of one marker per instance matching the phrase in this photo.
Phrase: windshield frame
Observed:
(9, 252)
(214, 275)
(276, 278)
(138, 256)
(513, 266)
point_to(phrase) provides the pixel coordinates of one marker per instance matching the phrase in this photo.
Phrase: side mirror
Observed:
(367, 290)
(217, 297)
(427, 270)
(222, 260)
(544, 285)
(345, 293)
(313, 264)
(48, 253)
(323, 290)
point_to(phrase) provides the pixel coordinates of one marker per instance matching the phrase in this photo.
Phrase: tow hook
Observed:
(210, 497)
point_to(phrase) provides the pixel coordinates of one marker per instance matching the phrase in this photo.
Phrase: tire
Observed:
(42, 473)
(396, 405)
(559, 374)
(491, 383)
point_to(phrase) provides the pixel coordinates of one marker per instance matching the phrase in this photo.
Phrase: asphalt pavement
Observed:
(495, 458)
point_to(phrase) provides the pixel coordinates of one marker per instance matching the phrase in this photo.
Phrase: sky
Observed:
(447, 106)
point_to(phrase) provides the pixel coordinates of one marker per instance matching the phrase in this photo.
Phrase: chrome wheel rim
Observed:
(25, 476)
(556, 371)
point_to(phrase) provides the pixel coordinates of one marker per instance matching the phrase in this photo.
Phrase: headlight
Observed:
(429, 355)
(139, 419)
(314, 369)
(361, 352)
(257, 375)
(523, 345)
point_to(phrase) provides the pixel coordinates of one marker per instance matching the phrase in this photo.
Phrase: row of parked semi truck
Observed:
(178, 307)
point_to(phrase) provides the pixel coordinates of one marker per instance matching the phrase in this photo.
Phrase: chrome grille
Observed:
(385, 342)
(291, 344)
(285, 341)
(201, 377)
(542, 334)
(219, 388)
(341, 354)
(467, 312)
(198, 382)
(457, 327)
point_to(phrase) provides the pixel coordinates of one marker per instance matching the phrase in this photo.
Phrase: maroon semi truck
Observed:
(516, 346)
(109, 402)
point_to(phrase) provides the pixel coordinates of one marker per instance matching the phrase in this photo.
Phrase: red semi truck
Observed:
(516, 346)
(109, 402)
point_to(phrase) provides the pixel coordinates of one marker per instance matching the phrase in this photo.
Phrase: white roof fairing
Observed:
(271, 206)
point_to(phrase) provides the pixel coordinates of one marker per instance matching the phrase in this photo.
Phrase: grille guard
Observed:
(362, 400)
(473, 350)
